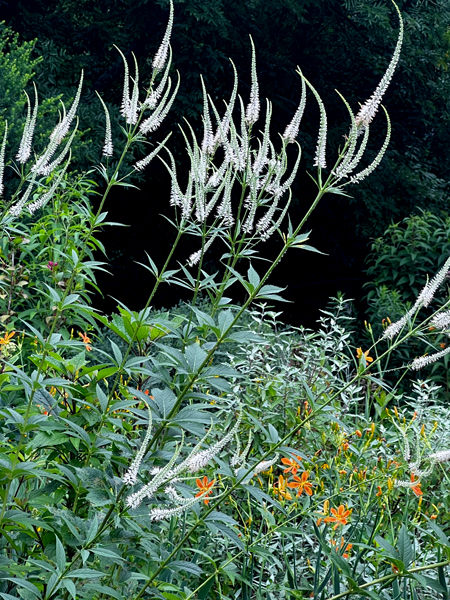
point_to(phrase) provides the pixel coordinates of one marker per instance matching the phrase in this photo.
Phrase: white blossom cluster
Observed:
(252, 112)
(26, 142)
(156, 100)
(239, 458)
(361, 122)
(369, 109)
(423, 300)
(208, 196)
(169, 474)
(56, 155)
(424, 412)
(45, 165)
(423, 361)
(441, 320)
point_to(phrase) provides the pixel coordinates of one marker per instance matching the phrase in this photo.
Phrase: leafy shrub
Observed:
(17, 68)
(401, 259)
(208, 450)
(398, 265)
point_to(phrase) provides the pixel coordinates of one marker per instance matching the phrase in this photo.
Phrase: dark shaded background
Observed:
(339, 44)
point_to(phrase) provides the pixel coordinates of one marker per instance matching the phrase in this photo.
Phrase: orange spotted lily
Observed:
(416, 488)
(360, 353)
(301, 484)
(292, 465)
(86, 341)
(339, 516)
(205, 488)
(7, 338)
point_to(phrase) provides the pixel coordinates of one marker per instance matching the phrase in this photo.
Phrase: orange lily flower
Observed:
(293, 465)
(205, 488)
(339, 517)
(86, 340)
(301, 484)
(416, 488)
(359, 354)
(347, 548)
(280, 488)
(7, 338)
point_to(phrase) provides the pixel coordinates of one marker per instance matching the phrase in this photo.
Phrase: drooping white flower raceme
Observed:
(108, 147)
(440, 457)
(377, 160)
(144, 162)
(291, 132)
(197, 459)
(26, 142)
(427, 294)
(129, 106)
(263, 170)
(2, 158)
(17, 209)
(42, 201)
(265, 465)
(424, 361)
(252, 112)
(320, 156)
(48, 168)
(441, 320)
(160, 514)
(161, 478)
(361, 122)
(423, 299)
(200, 459)
(63, 127)
(130, 476)
(369, 109)
(155, 120)
(43, 166)
(160, 57)
(153, 96)
(239, 458)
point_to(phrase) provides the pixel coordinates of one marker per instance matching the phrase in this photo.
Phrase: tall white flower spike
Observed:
(252, 112)
(160, 58)
(26, 142)
(369, 109)
(2, 158)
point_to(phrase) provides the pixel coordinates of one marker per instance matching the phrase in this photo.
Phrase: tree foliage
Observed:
(339, 44)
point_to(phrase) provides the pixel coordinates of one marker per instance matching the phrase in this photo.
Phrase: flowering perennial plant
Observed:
(116, 432)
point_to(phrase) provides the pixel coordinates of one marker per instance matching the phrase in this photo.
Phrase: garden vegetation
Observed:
(208, 451)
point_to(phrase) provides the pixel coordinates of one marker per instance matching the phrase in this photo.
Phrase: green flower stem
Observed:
(387, 578)
(270, 533)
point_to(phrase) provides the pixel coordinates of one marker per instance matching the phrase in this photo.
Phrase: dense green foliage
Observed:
(207, 451)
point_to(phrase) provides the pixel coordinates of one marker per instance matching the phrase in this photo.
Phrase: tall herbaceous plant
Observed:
(140, 453)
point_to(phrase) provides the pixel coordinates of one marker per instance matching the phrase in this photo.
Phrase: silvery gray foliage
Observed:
(426, 415)
(293, 358)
